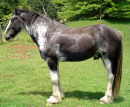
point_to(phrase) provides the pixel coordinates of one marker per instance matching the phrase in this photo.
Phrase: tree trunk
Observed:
(1, 34)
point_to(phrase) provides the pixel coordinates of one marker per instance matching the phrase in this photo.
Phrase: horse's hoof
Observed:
(103, 103)
(48, 104)
(62, 96)
(106, 100)
(53, 100)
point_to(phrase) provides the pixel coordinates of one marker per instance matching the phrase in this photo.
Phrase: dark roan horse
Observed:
(57, 42)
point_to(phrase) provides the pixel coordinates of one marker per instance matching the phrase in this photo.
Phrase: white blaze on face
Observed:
(8, 24)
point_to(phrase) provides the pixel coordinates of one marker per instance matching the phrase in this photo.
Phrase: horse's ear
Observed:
(17, 12)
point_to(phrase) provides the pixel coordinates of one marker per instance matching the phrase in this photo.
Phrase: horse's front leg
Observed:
(55, 79)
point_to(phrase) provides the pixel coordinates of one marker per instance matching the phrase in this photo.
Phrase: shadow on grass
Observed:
(75, 94)
(117, 20)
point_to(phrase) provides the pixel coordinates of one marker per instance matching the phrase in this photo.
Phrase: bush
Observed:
(50, 7)
(82, 9)
(4, 20)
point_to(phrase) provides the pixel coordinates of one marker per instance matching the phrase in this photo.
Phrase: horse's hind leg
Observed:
(108, 98)
(55, 79)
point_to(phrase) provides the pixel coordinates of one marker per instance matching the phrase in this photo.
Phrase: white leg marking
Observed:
(108, 98)
(57, 90)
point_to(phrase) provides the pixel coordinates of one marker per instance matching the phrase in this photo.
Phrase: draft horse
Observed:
(58, 42)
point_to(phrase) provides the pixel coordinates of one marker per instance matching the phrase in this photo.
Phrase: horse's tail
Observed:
(118, 69)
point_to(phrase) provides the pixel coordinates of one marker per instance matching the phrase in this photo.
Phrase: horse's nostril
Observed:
(8, 38)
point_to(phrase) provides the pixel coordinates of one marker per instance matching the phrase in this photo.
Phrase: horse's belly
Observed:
(77, 56)
(78, 51)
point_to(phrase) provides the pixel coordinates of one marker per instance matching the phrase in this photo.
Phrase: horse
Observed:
(59, 43)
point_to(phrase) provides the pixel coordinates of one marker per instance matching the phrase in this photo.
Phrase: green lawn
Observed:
(25, 80)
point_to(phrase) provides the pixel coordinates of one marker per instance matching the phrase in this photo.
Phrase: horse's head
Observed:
(14, 26)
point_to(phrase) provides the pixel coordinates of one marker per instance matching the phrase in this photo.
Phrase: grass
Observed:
(26, 82)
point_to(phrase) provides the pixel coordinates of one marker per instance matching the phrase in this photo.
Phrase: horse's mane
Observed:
(31, 16)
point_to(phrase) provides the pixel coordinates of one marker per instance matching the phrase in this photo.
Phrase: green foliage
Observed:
(68, 9)
(82, 9)
(5, 19)
(50, 7)
(6, 8)
(60, 4)
(116, 9)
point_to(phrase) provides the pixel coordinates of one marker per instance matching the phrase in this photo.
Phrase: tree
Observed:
(0, 34)
(6, 9)
(59, 4)
(116, 8)
(7, 6)
(81, 9)
(50, 7)
(84, 9)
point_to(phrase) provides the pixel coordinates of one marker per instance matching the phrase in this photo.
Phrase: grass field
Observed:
(25, 80)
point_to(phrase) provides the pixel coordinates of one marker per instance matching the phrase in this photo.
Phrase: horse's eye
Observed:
(12, 19)
(15, 18)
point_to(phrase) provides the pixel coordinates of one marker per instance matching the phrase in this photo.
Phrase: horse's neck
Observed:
(36, 29)
(38, 32)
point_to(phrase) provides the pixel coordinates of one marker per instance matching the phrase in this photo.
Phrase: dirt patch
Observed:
(22, 49)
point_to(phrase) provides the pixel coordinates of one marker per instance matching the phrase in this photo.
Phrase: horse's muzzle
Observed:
(8, 38)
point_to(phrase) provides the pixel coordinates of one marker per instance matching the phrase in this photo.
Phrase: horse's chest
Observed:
(42, 44)
(43, 54)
